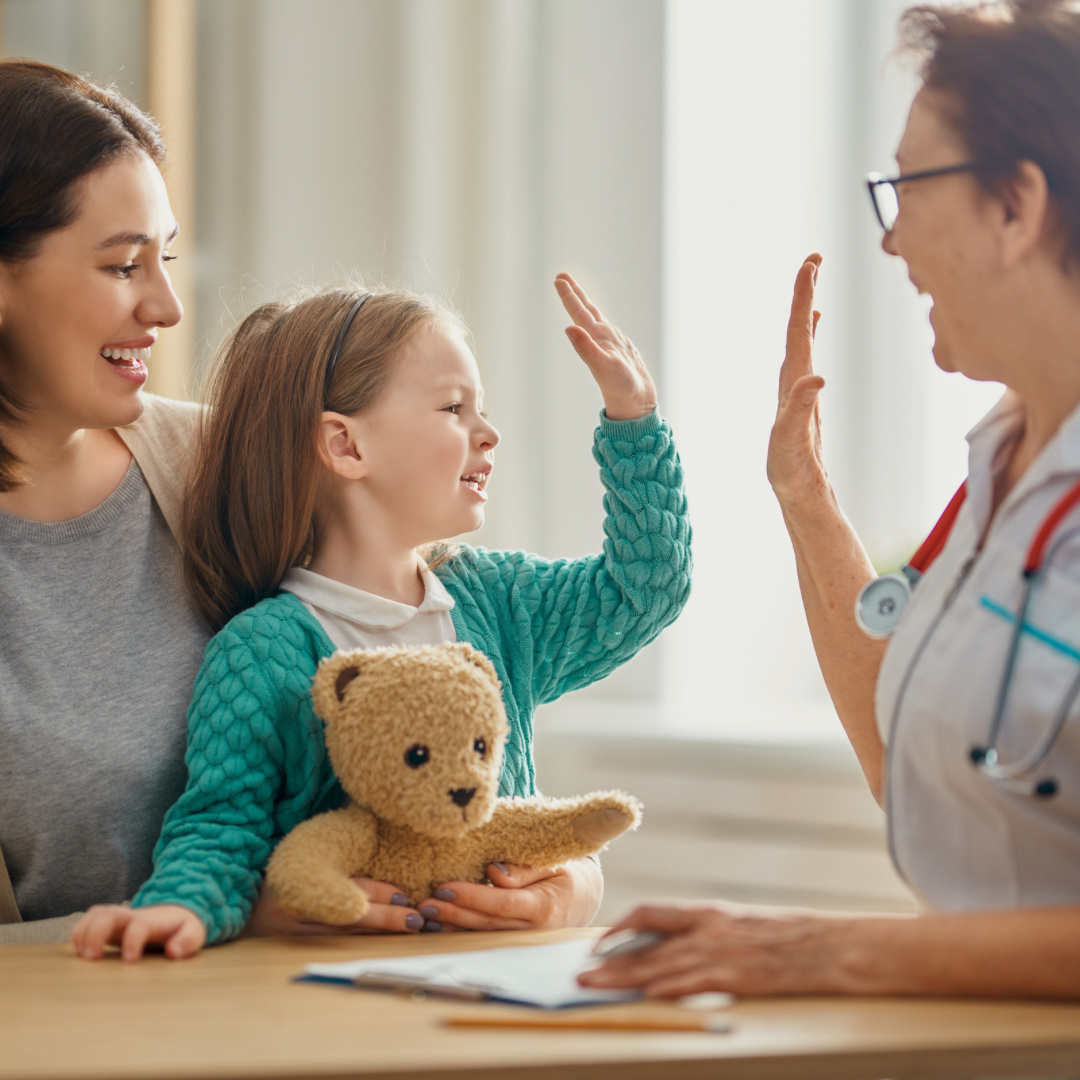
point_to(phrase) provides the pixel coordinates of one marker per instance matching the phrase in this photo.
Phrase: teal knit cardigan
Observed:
(257, 764)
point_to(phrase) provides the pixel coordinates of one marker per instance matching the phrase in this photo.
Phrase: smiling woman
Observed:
(99, 644)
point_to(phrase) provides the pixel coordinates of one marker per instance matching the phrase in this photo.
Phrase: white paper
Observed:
(541, 975)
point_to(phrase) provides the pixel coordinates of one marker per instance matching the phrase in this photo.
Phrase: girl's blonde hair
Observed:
(249, 511)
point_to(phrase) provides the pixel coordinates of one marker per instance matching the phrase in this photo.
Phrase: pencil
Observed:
(704, 1022)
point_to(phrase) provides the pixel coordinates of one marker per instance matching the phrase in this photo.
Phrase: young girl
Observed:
(347, 434)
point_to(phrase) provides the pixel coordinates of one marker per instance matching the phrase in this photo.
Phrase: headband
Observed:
(332, 362)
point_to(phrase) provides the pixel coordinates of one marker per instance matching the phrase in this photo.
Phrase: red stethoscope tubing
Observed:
(1053, 519)
(985, 757)
(933, 545)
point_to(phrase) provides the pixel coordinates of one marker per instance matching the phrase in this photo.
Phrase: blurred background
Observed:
(681, 158)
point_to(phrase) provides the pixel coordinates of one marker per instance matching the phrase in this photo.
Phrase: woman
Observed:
(98, 645)
(951, 719)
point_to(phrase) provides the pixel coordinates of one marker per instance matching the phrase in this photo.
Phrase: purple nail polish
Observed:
(501, 868)
(399, 900)
(414, 922)
(432, 927)
(429, 912)
(445, 894)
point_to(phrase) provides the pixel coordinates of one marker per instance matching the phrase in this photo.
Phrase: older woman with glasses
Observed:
(956, 680)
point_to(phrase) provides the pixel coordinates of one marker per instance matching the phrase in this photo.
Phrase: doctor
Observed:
(966, 728)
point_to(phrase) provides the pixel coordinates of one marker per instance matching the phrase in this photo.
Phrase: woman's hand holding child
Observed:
(522, 899)
(389, 914)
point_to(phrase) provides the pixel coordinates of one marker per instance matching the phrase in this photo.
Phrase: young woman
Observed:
(99, 645)
(965, 723)
(347, 434)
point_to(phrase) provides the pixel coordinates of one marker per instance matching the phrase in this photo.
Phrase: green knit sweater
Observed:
(257, 765)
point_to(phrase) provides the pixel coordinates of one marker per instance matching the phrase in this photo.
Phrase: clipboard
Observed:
(540, 976)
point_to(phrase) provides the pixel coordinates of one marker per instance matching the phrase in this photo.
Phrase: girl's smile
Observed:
(476, 481)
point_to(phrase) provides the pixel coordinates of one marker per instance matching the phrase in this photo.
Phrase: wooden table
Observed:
(233, 1012)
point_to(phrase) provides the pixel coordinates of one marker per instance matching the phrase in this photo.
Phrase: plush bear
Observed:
(415, 735)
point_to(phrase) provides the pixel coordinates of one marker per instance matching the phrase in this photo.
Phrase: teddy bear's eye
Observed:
(416, 756)
(480, 747)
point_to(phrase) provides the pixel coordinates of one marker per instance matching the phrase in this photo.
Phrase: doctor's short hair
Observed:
(249, 512)
(1010, 70)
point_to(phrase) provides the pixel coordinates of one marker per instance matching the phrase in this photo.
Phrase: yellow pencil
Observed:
(704, 1022)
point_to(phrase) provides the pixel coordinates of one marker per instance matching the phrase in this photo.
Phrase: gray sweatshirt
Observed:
(98, 653)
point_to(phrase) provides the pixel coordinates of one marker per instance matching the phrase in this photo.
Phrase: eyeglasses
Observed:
(883, 190)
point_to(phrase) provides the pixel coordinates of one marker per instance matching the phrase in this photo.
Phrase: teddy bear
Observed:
(415, 736)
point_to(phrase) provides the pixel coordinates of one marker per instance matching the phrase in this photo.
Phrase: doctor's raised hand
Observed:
(795, 467)
(830, 559)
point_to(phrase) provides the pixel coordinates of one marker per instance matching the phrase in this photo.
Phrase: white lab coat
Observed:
(961, 842)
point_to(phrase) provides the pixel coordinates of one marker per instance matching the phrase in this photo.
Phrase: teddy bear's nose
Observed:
(462, 796)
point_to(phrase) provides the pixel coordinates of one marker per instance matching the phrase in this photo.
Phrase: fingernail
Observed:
(414, 922)
(445, 894)
(432, 927)
(429, 912)
(399, 900)
(501, 867)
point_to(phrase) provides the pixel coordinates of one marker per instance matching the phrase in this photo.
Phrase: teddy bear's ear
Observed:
(332, 680)
(345, 676)
(474, 656)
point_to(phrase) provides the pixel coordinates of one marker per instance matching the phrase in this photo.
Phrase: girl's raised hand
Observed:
(179, 930)
(628, 389)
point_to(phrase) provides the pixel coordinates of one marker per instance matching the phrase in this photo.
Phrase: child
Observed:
(346, 435)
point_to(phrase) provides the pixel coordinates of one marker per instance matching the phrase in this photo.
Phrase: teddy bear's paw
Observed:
(343, 908)
(600, 826)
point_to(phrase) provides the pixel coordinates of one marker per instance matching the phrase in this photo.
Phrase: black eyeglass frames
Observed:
(883, 190)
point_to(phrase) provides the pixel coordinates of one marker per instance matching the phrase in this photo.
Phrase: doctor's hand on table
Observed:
(748, 951)
(769, 952)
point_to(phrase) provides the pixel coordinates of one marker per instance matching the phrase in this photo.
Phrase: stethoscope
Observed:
(882, 601)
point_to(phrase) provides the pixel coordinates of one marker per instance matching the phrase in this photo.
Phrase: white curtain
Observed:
(680, 157)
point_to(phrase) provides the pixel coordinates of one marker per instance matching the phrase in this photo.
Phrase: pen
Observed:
(626, 942)
(704, 1022)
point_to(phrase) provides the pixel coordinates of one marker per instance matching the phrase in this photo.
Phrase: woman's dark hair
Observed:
(1010, 74)
(55, 128)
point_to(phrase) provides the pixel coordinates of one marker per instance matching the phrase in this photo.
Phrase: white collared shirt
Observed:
(354, 619)
(962, 842)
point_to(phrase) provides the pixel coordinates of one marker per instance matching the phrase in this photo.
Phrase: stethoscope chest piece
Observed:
(881, 603)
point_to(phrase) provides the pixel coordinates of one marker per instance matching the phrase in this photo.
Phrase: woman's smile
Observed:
(129, 358)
